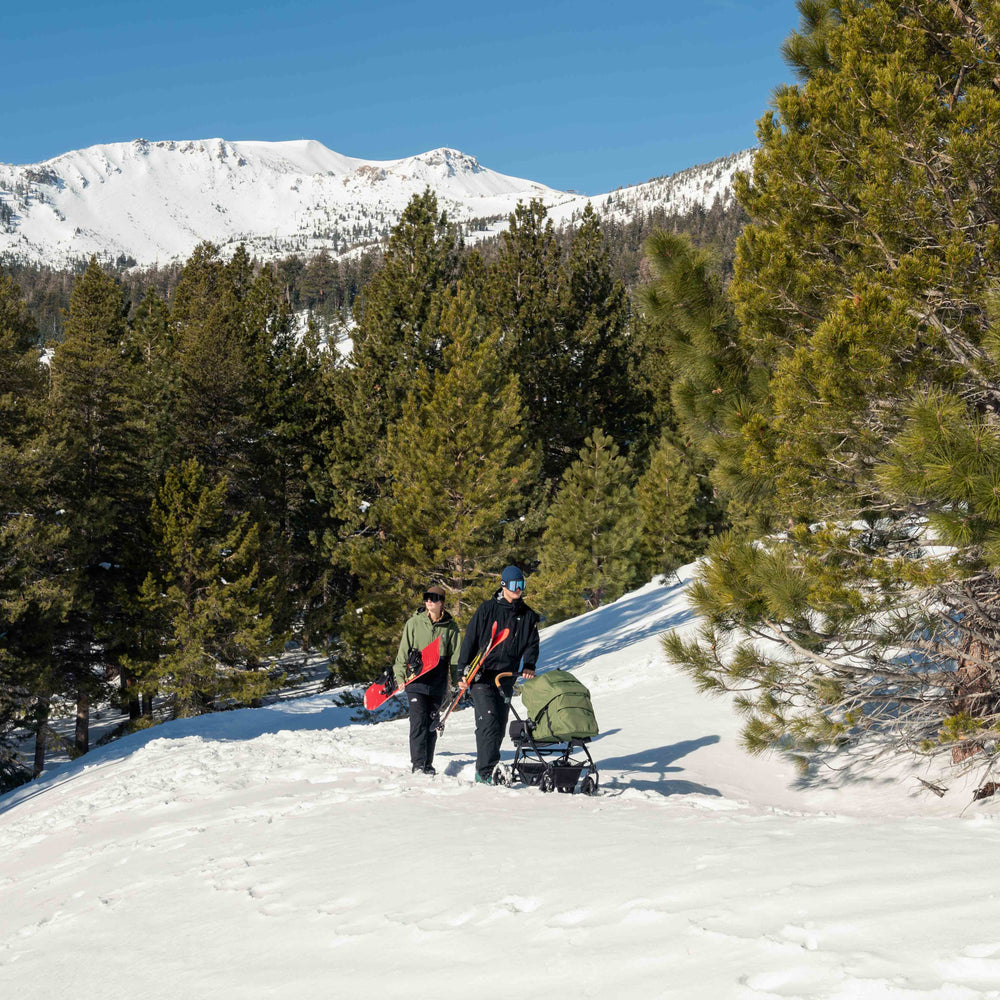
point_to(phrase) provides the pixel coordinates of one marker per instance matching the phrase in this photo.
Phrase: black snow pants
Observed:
(491, 721)
(423, 736)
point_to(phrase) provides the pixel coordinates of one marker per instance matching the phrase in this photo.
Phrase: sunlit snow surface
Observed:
(286, 852)
(153, 202)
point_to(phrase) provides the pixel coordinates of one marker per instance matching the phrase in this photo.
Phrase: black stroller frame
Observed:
(549, 765)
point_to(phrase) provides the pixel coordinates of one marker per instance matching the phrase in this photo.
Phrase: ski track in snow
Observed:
(286, 852)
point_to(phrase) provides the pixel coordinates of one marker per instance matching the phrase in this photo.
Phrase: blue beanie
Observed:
(510, 574)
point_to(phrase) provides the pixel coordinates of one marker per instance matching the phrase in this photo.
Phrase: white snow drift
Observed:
(288, 852)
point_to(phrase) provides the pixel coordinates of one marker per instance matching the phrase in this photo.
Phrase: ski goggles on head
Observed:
(513, 584)
(428, 596)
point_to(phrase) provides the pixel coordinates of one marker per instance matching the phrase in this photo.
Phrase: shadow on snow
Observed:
(652, 767)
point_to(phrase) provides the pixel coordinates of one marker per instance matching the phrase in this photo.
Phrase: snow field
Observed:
(286, 852)
(156, 201)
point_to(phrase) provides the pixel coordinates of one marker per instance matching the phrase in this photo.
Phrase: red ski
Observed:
(385, 687)
(495, 639)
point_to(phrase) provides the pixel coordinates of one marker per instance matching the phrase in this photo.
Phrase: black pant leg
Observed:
(503, 697)
(491, 719)
(423, 735)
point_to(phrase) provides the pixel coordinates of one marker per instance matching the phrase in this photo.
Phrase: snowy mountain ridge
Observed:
(153, 202)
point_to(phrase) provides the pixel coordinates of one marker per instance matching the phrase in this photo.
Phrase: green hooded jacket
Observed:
(420, 631)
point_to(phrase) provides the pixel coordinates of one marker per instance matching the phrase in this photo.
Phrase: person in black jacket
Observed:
(518, 653)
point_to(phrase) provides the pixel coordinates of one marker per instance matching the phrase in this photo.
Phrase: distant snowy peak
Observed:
(152, 202)
(681, 192)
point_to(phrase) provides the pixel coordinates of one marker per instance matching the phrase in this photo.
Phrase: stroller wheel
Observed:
(548, 780)
(502, 775)
(589, 785)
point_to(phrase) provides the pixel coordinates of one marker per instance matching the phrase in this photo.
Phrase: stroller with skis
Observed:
(550, 746)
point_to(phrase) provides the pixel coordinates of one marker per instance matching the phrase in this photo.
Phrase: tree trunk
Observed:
(41, 734)
(130, 695)
(81, 740)
(975, 692)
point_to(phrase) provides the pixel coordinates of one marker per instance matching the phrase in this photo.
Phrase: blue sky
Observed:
(584, 95)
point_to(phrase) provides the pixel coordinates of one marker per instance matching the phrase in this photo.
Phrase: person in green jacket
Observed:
(426, 695)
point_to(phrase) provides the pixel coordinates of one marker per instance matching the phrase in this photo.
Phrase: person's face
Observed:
(434, 603)
(512, 591)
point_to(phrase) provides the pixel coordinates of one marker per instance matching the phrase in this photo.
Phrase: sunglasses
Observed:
(513, 584)
(435, 598)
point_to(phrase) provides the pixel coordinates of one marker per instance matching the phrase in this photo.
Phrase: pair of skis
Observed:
(495, 639)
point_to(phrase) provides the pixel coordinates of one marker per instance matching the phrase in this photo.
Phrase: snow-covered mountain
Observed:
(288, 852)
(152, 202)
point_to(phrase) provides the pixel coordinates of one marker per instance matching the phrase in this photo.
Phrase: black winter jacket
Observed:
(521, 644)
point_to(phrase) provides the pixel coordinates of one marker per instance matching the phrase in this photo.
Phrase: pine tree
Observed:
(297, 409)
(695, 369)
(523, 298)
(600, 375)
(460, 469)
(95, 447)
(225, 319)
(392, 339)
(34, 584)
(206, 602)
(590, 549)
(151, 351)
(248, 398)
(675, 518)
(807, 50)
(864, 291)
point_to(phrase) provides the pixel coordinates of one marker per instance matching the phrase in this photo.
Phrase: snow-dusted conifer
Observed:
(864, 289)
(207, 606)
(460, 467)
(96, 442)
(590, 549)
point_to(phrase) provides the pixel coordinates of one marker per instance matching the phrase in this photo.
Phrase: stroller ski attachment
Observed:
(550, 749)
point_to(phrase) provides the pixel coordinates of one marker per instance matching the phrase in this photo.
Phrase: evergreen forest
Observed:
(806, 391)
(192, 479)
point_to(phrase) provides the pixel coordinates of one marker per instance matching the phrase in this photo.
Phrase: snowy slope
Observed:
(681, 192)
(155, 201)
(286, 852)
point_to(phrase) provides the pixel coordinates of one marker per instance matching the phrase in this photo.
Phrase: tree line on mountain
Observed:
(327, 287)
(192, 480)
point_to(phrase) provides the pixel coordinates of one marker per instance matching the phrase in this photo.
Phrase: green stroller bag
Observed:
(559, 707)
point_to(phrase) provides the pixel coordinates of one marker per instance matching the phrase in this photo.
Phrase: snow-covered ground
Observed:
(154, 202)
(288, 852)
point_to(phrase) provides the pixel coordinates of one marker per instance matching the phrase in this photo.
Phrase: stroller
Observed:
(550, 747)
